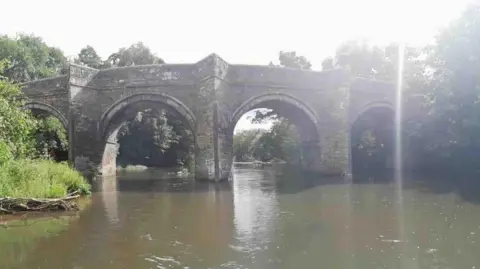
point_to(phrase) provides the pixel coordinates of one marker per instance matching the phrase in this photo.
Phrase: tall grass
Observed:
(39, 179)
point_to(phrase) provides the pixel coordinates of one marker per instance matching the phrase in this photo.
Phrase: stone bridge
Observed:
(210, 96)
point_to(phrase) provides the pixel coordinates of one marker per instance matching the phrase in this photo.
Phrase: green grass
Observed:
(39, 179)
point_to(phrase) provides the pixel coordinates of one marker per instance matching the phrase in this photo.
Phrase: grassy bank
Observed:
(40, 179)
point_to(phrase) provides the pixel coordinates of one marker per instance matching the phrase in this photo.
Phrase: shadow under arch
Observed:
(115, 117)
(47, 108)
(366, 108)
(378, 117)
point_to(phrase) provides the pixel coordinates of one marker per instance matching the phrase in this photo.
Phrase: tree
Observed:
(451, 131)
(365, 60)
(281, 142)
(290, 59)
(30, 58)
(156, 139)
(89, 57)
(16, 125)
(441, 104)
(244, 142)
(157, 136)
(264, 116)
(50, 136)
(136, 54)
(327, 64)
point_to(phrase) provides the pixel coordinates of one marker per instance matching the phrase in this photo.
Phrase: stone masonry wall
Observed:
(50, 91)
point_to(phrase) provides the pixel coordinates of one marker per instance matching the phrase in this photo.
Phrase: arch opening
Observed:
(372, 141)
(148, 132)
(51, 136)
(275, 128)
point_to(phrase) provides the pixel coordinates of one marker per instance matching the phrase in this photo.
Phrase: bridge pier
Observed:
(311, 155)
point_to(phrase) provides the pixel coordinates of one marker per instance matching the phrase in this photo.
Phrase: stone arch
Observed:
(368, 107)
(111, 122)
(256, 101)
(353, 123)
(177, 106)
(49, 109)
(303, 117)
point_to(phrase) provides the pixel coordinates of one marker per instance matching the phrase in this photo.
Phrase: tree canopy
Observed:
(21, 134)
(16, 125)
(89, 57)
(280, 143)
(30, 58)
(441, 108)
(292, 60)
(365, 60)
(136, 54)
(452, 126)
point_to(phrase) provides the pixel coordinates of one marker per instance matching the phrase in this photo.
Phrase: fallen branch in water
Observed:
(11, 205)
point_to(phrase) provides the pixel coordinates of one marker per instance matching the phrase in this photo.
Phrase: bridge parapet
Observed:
(45, 87)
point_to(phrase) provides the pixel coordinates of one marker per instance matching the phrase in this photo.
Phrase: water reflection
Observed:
(256, 212)
(261, 219)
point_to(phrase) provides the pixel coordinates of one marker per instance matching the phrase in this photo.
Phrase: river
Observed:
(262, 218)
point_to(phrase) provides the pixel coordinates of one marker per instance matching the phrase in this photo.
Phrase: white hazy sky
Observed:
(247, 31)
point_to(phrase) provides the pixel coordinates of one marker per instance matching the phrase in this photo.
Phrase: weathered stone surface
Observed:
(210, 96)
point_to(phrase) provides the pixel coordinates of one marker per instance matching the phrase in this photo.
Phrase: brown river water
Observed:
(262, 218)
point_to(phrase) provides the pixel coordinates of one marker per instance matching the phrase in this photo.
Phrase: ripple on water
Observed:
(163, 262)
(258, 221)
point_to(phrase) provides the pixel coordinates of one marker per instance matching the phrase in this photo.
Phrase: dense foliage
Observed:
(16, 125)
(30, 58)
(244, 143)
(441, 110)
(280, 143)
(21, 173)
(292, 60)
(451, 131)
(155, 139)
(21, 135)
(89, 57)
(136, 54)
(51, 138)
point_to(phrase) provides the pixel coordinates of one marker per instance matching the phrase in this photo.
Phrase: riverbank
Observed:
(39, 185)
